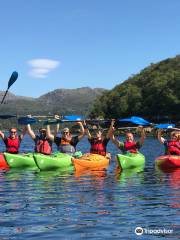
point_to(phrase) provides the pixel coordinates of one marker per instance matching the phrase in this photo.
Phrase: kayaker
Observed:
(42, 143)
(130, 145)
(172, 146)
(12, 142)
(66, 143)
(97, 141)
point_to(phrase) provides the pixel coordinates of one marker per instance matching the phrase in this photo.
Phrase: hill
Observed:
(62, 101)
(153, 93)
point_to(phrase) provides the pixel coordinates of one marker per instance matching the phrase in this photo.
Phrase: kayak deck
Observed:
(54, 161)
(91, 161)
(20, 160)
(168, 161)
(130, 160)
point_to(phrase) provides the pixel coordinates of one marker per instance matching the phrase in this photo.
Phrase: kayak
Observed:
(20, 160)
(91, 161)
(54, 161)
(168, 161)
(131, 160)
(3, 163)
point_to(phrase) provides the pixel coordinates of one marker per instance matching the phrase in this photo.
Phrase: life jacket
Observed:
(98, 147)
(130, 147)
(43, 146)
(12, 145)
(66, 147)
(173, 147)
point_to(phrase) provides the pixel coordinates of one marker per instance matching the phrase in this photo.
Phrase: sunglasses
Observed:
(13, 132)
(65, 132)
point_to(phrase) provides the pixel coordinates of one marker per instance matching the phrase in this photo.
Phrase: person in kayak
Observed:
(129, 145)
(12, 142)
(42, 143)
(66, 143)
(172, 146)
(97, 141)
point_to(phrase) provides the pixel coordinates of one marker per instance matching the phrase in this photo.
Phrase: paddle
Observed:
(73, 118)
(26, 120)
(12, 79)
(164, 126)
(135, 120)
(6, 116)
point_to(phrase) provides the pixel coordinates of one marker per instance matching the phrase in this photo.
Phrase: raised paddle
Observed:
(136, 120)
(12, 80)
(6, 116)
(165, 126)
(26, 120)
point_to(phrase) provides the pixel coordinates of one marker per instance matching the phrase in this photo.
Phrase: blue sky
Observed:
(76, 43)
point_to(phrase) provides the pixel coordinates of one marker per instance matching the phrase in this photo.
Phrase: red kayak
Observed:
(168, 161)
(3, 163)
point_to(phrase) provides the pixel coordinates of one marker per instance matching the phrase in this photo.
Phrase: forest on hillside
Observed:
(154, 93)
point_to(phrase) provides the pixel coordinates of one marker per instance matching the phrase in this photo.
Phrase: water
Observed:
(91, 205)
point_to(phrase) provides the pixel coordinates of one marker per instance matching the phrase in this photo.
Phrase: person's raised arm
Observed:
(57, 126)
(82, 131)
(160, 138)
(30, 131)
(49, 134)
(2, 135)
(143, 135)
(112, 137)
(111, 130)
(21, 136)
(87, 131)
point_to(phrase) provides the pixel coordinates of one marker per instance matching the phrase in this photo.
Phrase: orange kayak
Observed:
(91, 161)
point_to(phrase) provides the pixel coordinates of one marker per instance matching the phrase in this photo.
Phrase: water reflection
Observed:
(89, 204)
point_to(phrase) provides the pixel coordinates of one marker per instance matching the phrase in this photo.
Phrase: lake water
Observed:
(91, 205)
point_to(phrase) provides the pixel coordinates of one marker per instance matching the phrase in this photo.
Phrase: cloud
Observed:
(41, 67)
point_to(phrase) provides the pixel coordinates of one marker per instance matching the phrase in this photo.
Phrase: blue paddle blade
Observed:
(12, 79)
(164, 126)
(135, 120)
(7, 116)
(125, 120)
(72, 118)
(26, 120)
(139, 119)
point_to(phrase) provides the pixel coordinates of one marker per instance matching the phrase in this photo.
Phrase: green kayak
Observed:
(20, 160)
(130, 160)
(54, 161)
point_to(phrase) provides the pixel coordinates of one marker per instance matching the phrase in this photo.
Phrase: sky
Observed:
(70, 44)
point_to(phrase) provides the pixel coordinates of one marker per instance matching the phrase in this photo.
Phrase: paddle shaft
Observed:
(4, 96)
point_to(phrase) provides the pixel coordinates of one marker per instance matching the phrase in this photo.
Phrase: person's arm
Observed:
(111, 130)
(113, 139)
(49, 134)
(57, 126)
(86, 130)
(143, 135)
(30, 131)
(160, 138)
(2, 135)
(21, 136)
(82, 131)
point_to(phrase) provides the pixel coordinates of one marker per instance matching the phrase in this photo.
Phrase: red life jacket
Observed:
(12, 145)
(173, 147)
(98, 147)
(43, 146)
(130, 147)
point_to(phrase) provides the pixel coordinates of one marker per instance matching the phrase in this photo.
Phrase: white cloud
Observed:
(41, 67)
